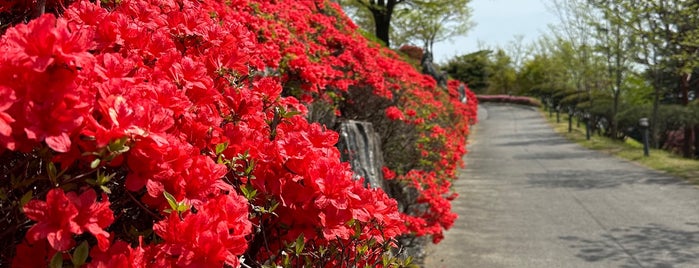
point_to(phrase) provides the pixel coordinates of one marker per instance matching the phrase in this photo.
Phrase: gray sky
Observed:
(497, 23)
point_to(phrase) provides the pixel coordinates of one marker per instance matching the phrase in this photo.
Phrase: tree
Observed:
(431, 21)
(573, 38)
(636, 39)
(472, 69)
(546, 74)
(503, 75)
(426, 14)
(518, 51)
(381, 11)
(668, 34)
(617, 42)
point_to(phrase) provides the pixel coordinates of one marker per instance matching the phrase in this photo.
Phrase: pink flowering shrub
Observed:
(522, 100)
(147, 133)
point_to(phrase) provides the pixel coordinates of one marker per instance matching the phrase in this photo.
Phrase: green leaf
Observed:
(25, 199)
(118, 146)
(290, 114)
(386, 260)
(286, 262)
(52, 173)
(57, 260)
(362, 249)
(274, 205)
(298, 246)
(221, 147)
(95, 163)
(409, 260)
(105, 189)
(176, 206)
(171, 200)
(102, 179)
(182, 207)
(80, 254)
(322, 250)
(248, 191)
(250, 168)
(69, 187)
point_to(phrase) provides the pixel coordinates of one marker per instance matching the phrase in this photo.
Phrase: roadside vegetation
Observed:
(629, 149)
(521, 100)
(611, 63)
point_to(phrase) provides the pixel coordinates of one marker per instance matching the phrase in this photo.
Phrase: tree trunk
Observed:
(696, 141)
(686, 141)
(655, 115)
(618, 81)
(654, 130)
(382, 23)
(614, 129)
(382, 29)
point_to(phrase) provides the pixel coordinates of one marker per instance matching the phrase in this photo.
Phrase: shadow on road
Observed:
(536, 142)
(534, 135)
(556, 155)
(600, 179)
(650, 245)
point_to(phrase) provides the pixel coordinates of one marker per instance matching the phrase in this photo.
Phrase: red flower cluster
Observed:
(164, 133)
(63, 215)
(412, 52)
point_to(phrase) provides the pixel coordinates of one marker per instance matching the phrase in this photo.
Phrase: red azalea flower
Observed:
(393, 113)
(119, 255)
(33, 255)
(212, 237)
(93, 216)
(388, 174)
(7, 99)
(55, 220)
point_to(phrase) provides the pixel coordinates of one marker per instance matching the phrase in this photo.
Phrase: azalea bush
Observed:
(143, 133)
(412, 52)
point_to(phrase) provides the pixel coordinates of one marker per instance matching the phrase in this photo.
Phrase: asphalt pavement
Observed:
(530, 198)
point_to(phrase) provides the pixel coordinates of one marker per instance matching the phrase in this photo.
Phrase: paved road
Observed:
(530, 198)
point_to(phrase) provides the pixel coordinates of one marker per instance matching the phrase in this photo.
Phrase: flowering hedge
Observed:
(522, 100)
(159, 133)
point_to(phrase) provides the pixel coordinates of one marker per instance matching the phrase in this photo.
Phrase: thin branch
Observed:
(133, 198)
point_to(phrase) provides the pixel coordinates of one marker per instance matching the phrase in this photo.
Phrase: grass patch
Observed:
(629, 149)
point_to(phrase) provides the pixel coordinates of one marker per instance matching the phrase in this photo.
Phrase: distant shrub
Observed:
(413, 52)
(521, 100)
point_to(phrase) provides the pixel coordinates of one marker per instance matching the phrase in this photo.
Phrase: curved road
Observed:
(530, 198)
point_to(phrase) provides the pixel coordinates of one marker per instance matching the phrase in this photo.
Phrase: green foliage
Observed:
(473, 69)
(426, 21)
(372, 37)
(80, 254)
(56, 260)
(431, 21)
(632, 150)
(175, 206)
(639, 91)
(503, 76)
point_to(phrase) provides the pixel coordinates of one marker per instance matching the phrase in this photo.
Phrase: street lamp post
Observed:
(644, 124)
